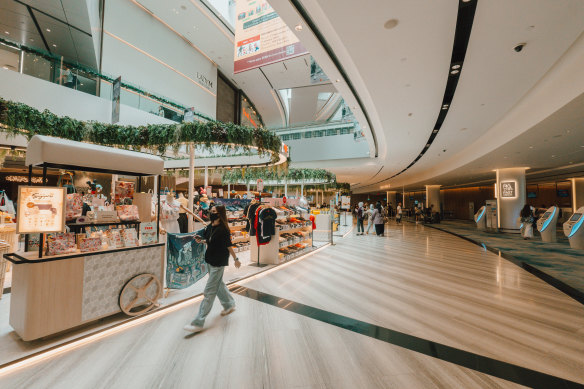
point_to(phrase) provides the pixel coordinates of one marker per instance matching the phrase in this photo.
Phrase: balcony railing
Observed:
(56, 69)
(315, 130)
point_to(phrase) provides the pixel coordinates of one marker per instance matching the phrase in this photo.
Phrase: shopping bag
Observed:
(129, 237)
(144, 203)
(61, 243)
(128, 213)
(185, 260)
(74, 206)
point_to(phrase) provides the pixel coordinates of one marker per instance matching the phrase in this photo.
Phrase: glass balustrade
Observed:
(48, 67)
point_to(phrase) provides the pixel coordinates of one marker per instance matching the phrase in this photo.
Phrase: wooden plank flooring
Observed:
(418, 281)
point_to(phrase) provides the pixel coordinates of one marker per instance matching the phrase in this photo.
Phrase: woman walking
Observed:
(218, 239)
(369, 218)
(527, 218)
(398, 216)
(378, 219)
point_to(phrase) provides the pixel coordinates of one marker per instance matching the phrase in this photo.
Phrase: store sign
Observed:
(262, 37)
(40, 210)
(24, 179)
(346, 203)
(508, 189)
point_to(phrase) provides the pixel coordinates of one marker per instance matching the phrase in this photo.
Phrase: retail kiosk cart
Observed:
(51, 294)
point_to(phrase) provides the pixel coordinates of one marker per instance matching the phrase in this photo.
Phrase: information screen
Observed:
(575, 217)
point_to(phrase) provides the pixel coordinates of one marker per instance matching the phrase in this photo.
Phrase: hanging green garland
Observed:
(291, 175)
(21, 119)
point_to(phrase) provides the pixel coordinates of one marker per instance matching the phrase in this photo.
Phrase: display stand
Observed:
(270, 254)
(51, 294)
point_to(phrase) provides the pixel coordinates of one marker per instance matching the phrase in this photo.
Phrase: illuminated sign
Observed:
(508, 189)
(40, 209)
(24, 179)
(248, 116)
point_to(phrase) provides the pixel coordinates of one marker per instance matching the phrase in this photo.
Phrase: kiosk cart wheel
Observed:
(140, 294)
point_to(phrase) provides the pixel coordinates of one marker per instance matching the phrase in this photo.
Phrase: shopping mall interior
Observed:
(381, 194)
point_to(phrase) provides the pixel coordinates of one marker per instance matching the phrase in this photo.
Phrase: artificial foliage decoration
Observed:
(292, 176)
(21, 119)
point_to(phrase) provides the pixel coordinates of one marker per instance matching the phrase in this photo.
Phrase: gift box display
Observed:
(63, 243)
(129, 237)
(123, 190)
(74, 206)
(87, 245)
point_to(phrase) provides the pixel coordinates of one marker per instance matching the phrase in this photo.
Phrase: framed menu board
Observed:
(41, 209)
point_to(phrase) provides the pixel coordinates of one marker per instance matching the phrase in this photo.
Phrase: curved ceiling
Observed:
(400, 75)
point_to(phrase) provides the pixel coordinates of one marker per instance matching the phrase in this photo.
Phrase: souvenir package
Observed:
(129, 237)
(74, 206)
(148, 233)
(89, 244)
(115, 239)
(62, 243)
(128, 213)
(123, 190)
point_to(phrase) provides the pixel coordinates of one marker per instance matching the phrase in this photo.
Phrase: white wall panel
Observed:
(128, 22)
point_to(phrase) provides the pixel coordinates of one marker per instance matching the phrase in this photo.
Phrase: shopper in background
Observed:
(378, 219)
(369, 218)
(398, 215)
(218, 239)
(526, 218)
(360, 219)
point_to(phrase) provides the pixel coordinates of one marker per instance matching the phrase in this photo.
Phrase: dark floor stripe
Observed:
(493, 367)
(545, 277)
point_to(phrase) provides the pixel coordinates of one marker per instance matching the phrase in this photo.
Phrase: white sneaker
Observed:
(226, 312)
(192, 328)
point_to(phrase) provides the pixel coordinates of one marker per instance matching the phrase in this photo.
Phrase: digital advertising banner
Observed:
(262, 37)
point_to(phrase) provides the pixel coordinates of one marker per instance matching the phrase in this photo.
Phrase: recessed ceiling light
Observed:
(32, 40)
(465, 1)
(48, 30)
(338, 80)
(455, 66)
(455, 71)
(391, 23)
(54, 45)
(6, 32)
(530, 147)
(435, 131)
(298, 27)
(445, 106)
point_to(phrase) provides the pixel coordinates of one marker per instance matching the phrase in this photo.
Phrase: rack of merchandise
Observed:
(293, 238)
(84, 277)
(237, 222)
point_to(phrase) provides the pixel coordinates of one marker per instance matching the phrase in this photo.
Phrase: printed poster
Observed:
(262, 37)
(40, 209)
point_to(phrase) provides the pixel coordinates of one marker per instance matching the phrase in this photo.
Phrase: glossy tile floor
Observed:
(556, 259)
(417, 283)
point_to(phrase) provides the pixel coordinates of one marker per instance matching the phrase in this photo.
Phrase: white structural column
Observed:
(248, 191)
(433, 197)
(511, 197)
(286, 188)
(577, 193)
(207, 179)
(228, 191)
(191, 185)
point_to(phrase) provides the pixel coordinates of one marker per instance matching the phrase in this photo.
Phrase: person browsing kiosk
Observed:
(217, 237)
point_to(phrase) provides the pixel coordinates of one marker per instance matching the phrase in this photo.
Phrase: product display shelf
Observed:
(76, 227)
(238, 226)
(270, 253)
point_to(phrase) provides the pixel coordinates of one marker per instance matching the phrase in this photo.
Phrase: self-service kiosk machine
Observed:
(574, 230)
(481, 218)
(546, 224)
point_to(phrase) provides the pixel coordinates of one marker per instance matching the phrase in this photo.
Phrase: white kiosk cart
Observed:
(546, 224)
(51, 294)
(481, 218)
(574, 230)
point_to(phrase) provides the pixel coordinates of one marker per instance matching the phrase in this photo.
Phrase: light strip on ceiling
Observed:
(173, 30)
(213, 21)
(160, 62)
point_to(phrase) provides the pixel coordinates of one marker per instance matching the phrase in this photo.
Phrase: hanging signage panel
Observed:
(262, 37)
(40, 210)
